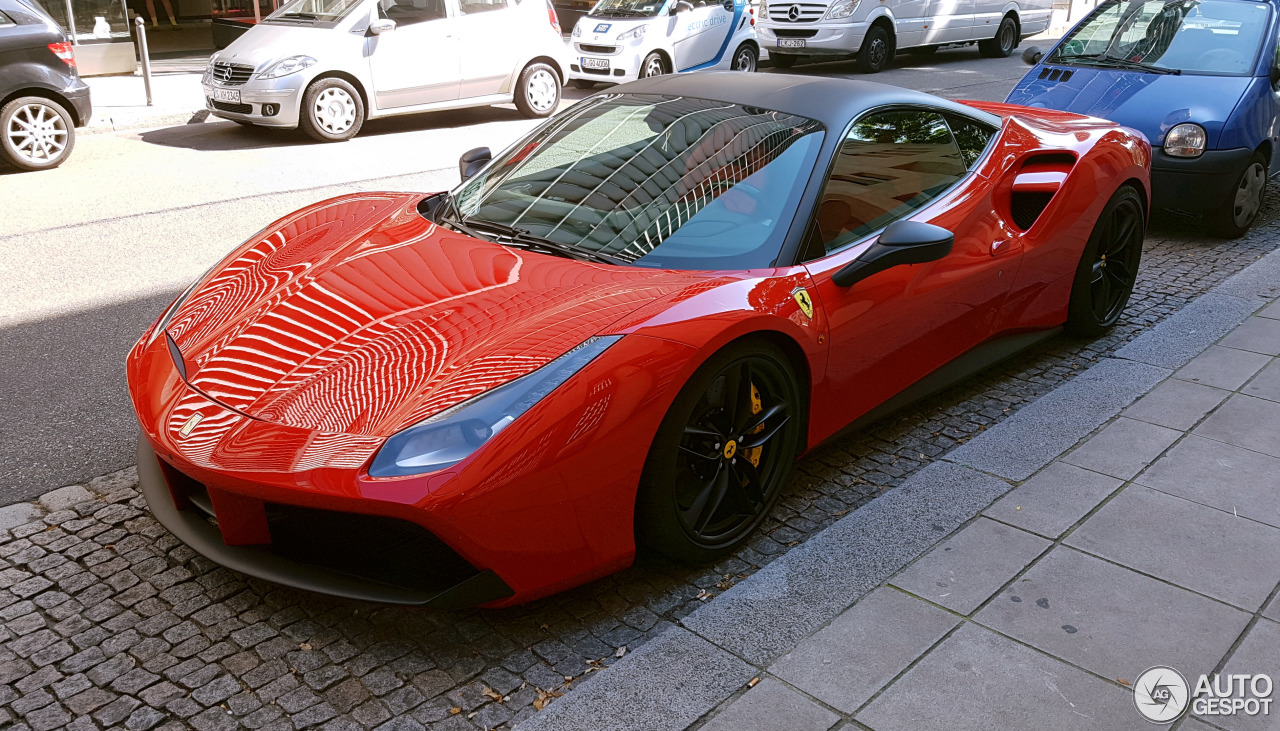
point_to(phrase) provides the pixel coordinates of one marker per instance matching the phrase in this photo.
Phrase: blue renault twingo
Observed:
(1200, 78)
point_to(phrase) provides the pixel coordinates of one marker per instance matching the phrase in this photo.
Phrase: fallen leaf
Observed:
(620, 651)
(1122, 681)
(472, 714)
(544, 628)
(491, 693)
(753, 681)
(838, 513)
(544, 697)
(455, 711)
(304, 646)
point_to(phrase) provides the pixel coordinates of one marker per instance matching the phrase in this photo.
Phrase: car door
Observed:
(895, 327)
(949, 21)
(490, 29)
(418, 62)
(700, 33)
(987, 15)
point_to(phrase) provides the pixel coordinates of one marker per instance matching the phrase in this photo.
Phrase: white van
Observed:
(874, 30)
(625, 40)
(327, 65)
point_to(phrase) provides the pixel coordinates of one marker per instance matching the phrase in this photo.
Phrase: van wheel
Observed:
(876, 50)
(1003, 44)
(653, 65)
(745, 58)
(331, 110)
(583, 84)
(1244, 202)
(538, 91)
(38, 133)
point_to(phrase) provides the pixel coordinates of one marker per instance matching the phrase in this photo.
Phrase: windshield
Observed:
(627, 8)
(666, 182)
(324, 10)
(1216, 37)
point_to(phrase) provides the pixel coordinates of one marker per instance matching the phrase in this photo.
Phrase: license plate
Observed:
(595, 63)
(790, 43)
(227, 95)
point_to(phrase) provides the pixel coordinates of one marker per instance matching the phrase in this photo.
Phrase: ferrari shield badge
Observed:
(806, 304)
(190, 424)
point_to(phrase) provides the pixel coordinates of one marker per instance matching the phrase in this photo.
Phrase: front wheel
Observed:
(653, 65)
(876, 50)
(332, 110)
(1003, 44)
(1234, 219)
(38, 133)
(745, 58)
(538, 91)
(722, 454)
(1109, 266)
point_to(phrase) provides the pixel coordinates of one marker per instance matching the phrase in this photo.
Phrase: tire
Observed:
(1108, 267)
(583, 84)
(877, 49)
(538, 91)
(746, 58)
(653, 65)
(923, 50)
(701, 496)
(1242, 206)
(36, 133)
(1005, 41)
(783, 60)
(332, 110)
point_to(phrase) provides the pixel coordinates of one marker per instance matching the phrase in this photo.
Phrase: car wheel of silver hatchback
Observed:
(38, 133)
(537, 90)
(332, 110)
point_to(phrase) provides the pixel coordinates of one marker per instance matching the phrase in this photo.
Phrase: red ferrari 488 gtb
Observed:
(622, 330)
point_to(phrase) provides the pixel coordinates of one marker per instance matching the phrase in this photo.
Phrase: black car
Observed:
(42, 98)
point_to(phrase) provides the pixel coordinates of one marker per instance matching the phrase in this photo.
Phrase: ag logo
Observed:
(602, 27)
(1161, 694)
(806, 304)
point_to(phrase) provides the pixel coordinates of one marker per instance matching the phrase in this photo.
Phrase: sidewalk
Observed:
(120, 102)
(1129, 519)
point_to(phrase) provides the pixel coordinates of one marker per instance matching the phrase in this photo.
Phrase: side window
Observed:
(5, 21)
(971, 135)
(409, 12)
(470, 7)
(890, 164)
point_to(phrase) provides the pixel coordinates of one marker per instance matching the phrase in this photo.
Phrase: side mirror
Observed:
(381, 25)
(472, 160)
(1032, 55)
(903, 242)
(681, 6)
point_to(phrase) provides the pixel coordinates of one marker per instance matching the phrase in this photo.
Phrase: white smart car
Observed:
(327, 65)
(625, 40)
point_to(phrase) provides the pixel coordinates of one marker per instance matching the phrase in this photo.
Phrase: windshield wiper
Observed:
(1101, 59)
(301, 16)
(520, 238)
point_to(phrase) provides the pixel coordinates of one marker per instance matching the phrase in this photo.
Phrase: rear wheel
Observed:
(876, 50)
(653, 65)
(721, 455)
(783, 60)
(38, 133)
(1003, 44)
(331, 110)
(745, 58)
(1109, 266)
(537, 91)
(1242, 208)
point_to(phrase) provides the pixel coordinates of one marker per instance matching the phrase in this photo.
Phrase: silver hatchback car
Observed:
(327, 65)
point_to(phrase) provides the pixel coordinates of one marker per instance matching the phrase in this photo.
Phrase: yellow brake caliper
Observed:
(753, 455)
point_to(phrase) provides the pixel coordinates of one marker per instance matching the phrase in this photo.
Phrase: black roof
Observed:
(832, 101)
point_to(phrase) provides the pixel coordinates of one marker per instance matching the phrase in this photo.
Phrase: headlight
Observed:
(842, 9)
(633, 34)
(286, 66)
(577, 31)
(456, 433)
(208, 70)
(1185, 140)
(764, 10)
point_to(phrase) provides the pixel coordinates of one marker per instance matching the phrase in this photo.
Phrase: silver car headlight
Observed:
(764, 10)
(286, 66)
(1186, 140)
(456, 433)
(208, 70)
(631, 35)
(842, 9)
(577, 30)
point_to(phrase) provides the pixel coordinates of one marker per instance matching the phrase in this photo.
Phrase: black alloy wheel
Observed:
(876, 49)
(1109, 267)
(722, 454)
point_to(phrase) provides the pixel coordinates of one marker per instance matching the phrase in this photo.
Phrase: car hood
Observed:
(1149, 103)
(359, 316)
(268, 42)
(617, 26)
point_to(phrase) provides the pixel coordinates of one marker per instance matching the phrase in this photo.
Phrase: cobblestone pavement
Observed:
(108, 621)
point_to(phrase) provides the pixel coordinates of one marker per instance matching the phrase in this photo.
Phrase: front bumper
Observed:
(284, 93)
(820, 39)
(1196, 186)
(624, 65)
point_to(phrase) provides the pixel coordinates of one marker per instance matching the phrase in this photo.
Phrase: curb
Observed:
(692, 667)
(162, 120)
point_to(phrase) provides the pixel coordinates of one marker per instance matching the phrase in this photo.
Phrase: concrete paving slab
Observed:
(1111, 620)
(1226, 477)
(1272, 611)
(1259, 652)
(806, 588)
(1258, 334)
(1245, 421)
(667, 684)
(1266, 384)
(771, 706)
(1185, 543)
(856, 655)
(1176, 404)
(1019, 446)
(966, 569)
(1272, 310)
(1222, 367)
(1123, 448)
(12, 516)
(978, 681)
(1260, 279)
(1187, 332)
(1054, 499)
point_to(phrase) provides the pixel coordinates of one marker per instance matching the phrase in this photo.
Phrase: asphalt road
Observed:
(90, 253)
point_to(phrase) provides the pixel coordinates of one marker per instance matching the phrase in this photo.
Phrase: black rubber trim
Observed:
(261, 563)
(178, 362)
